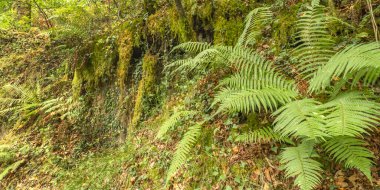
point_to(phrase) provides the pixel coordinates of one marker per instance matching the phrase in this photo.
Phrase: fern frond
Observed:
(254, 23)
(299, 163)
(351, 152)
(242, 58)
(172, 121)
(201, 61)
(348, 62)
(314, 47)
(192, 47)
(251, 100)
(258, 79)
(262, 135)
(351, 114)
(183, 150)
(301, 118)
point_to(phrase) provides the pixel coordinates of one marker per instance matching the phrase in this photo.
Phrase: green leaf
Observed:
(299, 163)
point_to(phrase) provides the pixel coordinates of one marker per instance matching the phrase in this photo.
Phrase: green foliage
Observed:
(351, 114)
(183, 150)
(262, 135)
(11, 168)
(300, 118)
(172, 121)
(351, 152)
(254, 23)
(359, 62)
(300, 163)
(22, 104)
(314, 47)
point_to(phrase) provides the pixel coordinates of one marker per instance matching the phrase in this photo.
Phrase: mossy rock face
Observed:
(158, 24)
(125, 49)
(179, 27)
(229, 20)
(146, 86)
(100, 65)
(103, 57)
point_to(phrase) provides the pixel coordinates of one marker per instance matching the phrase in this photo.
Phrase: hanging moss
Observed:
(146, 86)
(125, 48)
(76, 84)
(98, 66)
(229, 20)
(178, 26)
(158, 23)
(103, 57)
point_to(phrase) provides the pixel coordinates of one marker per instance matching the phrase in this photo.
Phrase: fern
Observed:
(301, 118)
(262, 135)
(251, 100)
(183, 149)
(192, 47)
(254, 23)
(212, 56)
(351, 152)
(362, 60)
(255, 86)
(314, 47)
(351, 114)
(299, 163)
(172, 121)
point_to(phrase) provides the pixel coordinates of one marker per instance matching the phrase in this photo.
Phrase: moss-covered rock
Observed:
(146, 86)
(229, 20)
(125, 49)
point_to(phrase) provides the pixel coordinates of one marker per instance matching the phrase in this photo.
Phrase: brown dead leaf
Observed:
(267, 175)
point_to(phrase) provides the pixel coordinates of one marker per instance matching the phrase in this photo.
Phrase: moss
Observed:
(125, 49)
(178, 26)
(99, 65)
(146, 86)
(227, 31)
(229, 20)
(103, 57)
(76, 84)
(284, 27)
(158, 24)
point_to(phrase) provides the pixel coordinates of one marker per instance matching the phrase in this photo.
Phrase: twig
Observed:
(373, 20)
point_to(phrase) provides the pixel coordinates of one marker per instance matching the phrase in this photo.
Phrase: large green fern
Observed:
(254, 23)
(301, 119)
